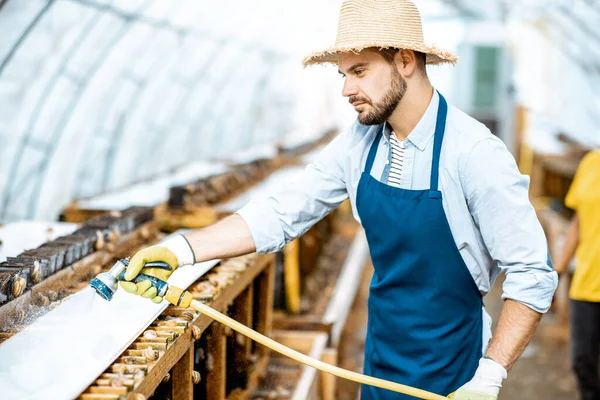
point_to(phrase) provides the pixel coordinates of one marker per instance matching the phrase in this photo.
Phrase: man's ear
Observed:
(406, 62)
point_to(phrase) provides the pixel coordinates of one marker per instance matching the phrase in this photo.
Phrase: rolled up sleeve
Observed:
(497, 195)
(286, 214)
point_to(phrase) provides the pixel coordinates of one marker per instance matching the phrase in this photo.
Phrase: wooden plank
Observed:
(562, 166)
(100, 396)
(308, 322)
(328, 380)
(521, 149)
(174, 219)
(216, 376)
(183, 385)
(242, 312)
(120, 390)
(291, 274)
(73, 213)
(265, 302)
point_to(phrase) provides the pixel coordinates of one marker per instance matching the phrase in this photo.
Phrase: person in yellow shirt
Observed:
(583, 241)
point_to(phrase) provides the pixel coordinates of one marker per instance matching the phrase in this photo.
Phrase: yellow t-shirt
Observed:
(584, 198)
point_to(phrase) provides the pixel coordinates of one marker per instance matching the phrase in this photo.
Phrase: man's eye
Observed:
(359, 71)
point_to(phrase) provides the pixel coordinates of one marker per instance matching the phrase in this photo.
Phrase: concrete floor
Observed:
(543, 372)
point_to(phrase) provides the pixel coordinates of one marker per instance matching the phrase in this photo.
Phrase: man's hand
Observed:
(176, 252)
(486, 383)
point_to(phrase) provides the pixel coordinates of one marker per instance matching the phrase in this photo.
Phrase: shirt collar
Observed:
(424, 130)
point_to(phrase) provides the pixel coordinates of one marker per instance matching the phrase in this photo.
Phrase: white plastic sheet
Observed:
(60, 354)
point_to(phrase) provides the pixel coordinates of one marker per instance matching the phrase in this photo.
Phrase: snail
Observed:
(196, 377)
(18, 286)
(150, 354)
(150, 334)
(99, 240)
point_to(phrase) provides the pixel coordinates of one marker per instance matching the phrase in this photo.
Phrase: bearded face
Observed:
(376, 113)
(372, 84)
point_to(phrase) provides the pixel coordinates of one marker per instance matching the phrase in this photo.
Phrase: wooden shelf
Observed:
(176, 355)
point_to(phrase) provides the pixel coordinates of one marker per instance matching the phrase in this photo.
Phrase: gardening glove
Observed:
(176, 252)
(486, 383)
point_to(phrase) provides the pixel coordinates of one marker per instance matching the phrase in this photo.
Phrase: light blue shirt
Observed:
(484, 196)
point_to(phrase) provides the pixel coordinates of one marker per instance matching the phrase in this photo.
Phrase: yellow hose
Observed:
(178, 297)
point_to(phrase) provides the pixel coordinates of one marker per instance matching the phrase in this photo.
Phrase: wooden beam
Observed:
(328, 380)
(242, 311)
(183, 385)
(216, 363)
(73, 213)
(291, 275)
(265, 303)
(308, 322)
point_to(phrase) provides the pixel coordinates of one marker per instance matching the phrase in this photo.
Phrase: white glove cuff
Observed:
(488, 378)
(490, 368)
(182, 249)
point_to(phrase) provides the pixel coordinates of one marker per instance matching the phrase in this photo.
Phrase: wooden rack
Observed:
(167, 351)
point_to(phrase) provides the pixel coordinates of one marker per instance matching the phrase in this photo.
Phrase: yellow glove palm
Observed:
(136, 266)
(465, 394)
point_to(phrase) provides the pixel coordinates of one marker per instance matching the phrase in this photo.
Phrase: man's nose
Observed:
(349, 88)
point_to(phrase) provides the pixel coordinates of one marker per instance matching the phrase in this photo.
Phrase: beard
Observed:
(382, 110)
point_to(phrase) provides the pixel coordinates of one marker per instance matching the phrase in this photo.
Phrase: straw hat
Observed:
(382, 24)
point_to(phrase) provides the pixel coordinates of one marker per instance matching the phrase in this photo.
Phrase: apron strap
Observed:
(440, 127)
(373, 151)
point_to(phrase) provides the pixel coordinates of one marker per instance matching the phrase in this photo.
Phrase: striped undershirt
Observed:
(397, 161)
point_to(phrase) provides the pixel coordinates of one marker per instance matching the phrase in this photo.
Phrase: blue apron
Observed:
(425, 322)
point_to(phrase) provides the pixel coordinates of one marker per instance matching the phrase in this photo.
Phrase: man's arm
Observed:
(497, 197)
(227, 238)
(515, 328)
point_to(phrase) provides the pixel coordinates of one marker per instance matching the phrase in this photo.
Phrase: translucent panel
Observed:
(99, 94)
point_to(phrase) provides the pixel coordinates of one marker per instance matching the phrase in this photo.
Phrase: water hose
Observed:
(106, 285)
(184, 299)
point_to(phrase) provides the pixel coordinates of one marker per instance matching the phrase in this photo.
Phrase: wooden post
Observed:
(328, 380)
(265, 301)
(519, 141)
(216, 359)
(183, 388)
(291, 273)
(242, 312)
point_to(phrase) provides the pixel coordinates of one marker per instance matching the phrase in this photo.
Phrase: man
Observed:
(582, 238)
(442, 203)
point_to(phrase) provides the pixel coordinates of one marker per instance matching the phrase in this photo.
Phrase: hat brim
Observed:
(435, 56)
